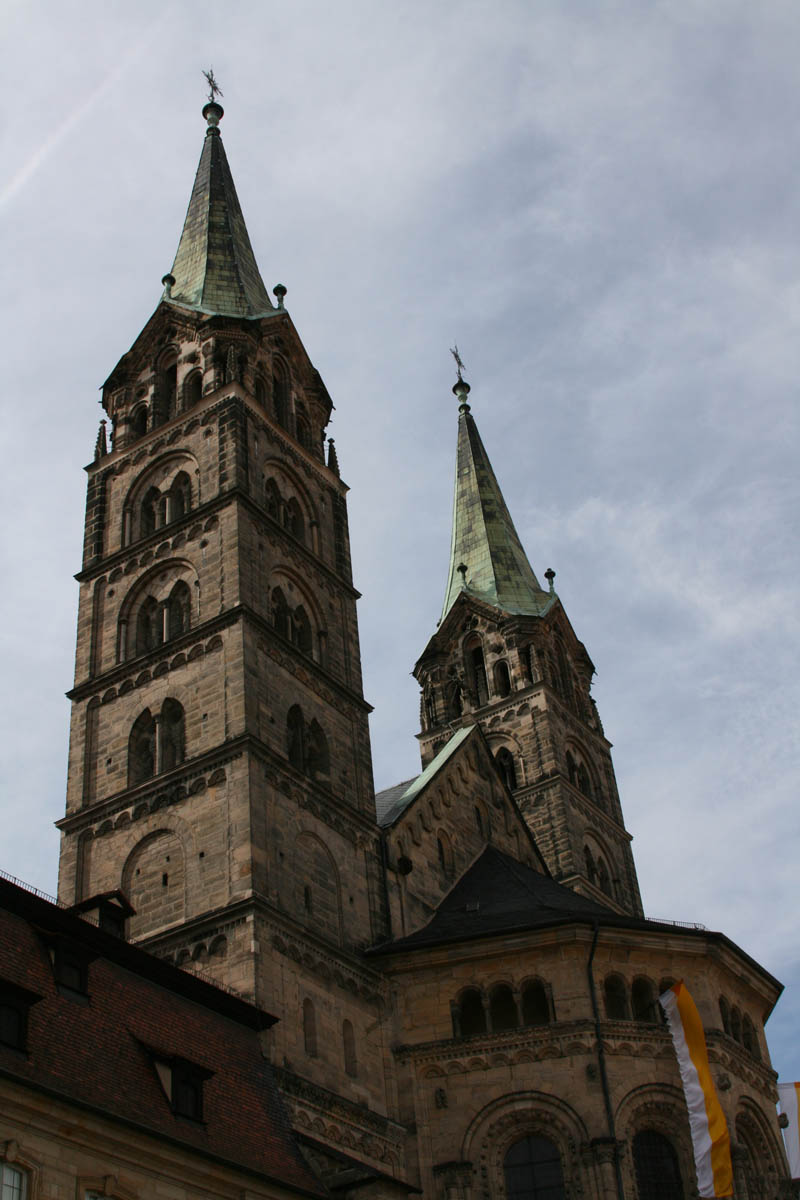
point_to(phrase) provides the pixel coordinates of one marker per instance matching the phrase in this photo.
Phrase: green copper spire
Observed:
(487, 560)
(215, 269)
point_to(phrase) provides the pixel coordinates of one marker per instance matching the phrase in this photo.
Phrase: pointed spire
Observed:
(215, 270)
(486, 556)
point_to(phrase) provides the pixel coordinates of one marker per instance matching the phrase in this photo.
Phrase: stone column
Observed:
(159, 749)
(604, 1152)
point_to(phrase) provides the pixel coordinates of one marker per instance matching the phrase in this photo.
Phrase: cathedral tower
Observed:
(506, 657)
(219, 763)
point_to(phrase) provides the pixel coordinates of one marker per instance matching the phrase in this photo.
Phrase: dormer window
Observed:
(71, 969)
(107, 910)
(70, 959)
(15, 1003)
(187, 1091)
(182, 1082)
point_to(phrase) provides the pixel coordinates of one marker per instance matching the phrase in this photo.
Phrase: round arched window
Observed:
(532, 1170)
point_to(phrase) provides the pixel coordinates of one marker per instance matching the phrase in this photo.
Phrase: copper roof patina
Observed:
(487, 560)
(215, 270)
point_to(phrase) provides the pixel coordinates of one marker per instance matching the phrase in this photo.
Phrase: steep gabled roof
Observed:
(215, 270)
(487, 560)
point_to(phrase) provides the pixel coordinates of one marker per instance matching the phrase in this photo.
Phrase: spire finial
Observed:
(460, 387)
(212, 111)
(214, 89)
(459, 364)
(550, 576)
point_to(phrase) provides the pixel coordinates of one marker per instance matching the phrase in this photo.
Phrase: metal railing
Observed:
(679, 924)
(28, 887)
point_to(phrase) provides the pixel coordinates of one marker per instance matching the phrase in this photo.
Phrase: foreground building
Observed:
(121, 1076)
(464, 978)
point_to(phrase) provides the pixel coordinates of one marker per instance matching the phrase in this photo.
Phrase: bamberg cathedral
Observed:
(262, 979)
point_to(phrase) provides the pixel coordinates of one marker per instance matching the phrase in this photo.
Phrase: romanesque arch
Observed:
(154, 880)
(295, 612)
(160, 606)
(509, 1120)
(288, 501)
(316, 886)
(160, 495)
(599, 864)
(582, 771)
(758, 1164)
(660, 1108)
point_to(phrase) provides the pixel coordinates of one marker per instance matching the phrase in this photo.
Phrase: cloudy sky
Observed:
(599, 203)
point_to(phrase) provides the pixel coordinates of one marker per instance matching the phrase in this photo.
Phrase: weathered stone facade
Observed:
(220, 775)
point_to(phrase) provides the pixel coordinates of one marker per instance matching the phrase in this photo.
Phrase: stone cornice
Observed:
(311, 794)
(726, 1053)
(291, 448)
(282, 651)
(506, 707)
(169, 539)
(198, 928)
(163, 658)
(159, 660)
(590, 808)
(275, 527)
(345, 967)
(177, 785)
(338, 966)
(299, 1088)
(563, 1039)
(158, 792)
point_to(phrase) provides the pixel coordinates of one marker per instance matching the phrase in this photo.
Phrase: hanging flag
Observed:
(789, 1096)
(710, 1138)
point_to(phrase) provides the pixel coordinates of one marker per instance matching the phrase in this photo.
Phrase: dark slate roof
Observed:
(498, 895)
(392, 803)
(215, 270)
(484, 538)
(387, 800)
(97, 1055)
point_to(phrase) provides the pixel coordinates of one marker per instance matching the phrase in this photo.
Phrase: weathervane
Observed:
(214, 88)
(459, 364)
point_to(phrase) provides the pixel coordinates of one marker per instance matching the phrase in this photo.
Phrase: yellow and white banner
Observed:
(789, 1096)
(710, 1138)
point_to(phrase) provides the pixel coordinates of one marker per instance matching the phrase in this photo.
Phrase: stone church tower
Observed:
(464, 980)
(219, 765)
(505, 656)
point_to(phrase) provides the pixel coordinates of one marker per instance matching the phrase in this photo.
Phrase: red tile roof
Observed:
(95, 1053)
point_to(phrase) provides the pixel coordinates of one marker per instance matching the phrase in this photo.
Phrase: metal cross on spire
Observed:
(214, 88)
(459, 364)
